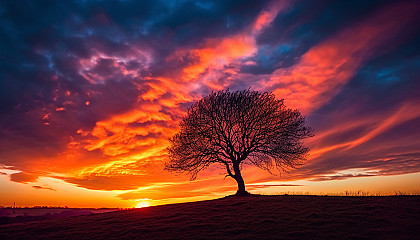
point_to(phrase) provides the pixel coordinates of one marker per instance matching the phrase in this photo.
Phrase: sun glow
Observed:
(143, 203)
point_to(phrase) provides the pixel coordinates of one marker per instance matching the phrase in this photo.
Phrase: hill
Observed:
(254, 217)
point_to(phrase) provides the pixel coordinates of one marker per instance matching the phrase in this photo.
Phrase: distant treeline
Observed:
(27, 218)
(59, 207)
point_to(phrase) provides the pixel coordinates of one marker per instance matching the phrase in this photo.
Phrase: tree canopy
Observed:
(232, 128)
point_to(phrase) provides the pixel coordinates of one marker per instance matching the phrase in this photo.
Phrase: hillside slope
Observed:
(255, 217)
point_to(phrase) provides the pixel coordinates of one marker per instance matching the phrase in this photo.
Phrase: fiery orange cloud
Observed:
(325, 68)
(267, 16)
(212, 58)
(183, 189)
(219, 53)
(23, 177)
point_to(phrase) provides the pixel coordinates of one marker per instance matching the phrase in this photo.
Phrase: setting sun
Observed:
(142, 204)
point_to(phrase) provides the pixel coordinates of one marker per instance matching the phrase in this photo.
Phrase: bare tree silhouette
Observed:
(233, 128)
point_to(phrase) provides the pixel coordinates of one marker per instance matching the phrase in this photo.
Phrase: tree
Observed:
(233, 128)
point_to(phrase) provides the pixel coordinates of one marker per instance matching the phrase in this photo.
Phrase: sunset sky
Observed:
(90, 92)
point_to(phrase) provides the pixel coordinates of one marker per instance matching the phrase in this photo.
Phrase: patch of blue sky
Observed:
(283, 48)
(228, 21)
(172, 4)
(268, 53)
(387, 75)
(204, 4)
(2, 10)
(50, 62)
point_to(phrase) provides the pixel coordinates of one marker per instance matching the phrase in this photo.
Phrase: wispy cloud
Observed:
(45, 188)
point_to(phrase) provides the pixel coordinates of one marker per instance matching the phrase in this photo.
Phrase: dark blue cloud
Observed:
(306, 24)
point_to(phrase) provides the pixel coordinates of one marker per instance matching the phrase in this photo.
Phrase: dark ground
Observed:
(254, 217)
(19, 215)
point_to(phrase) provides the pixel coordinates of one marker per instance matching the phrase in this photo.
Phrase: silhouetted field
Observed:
(254, 217)
(18, 215)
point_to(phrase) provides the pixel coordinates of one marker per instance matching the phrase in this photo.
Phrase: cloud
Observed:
(378, 125)
(45, 188)
(23, 177)
(367, 145)
(216, 59)
(323, 70)
(181, 189)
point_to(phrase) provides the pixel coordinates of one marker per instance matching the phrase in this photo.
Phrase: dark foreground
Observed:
(254, 217)
(19, 215)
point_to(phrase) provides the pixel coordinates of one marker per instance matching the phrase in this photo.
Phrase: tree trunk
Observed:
(241, 184)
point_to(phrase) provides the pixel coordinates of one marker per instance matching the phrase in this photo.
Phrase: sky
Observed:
(90, 92)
